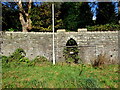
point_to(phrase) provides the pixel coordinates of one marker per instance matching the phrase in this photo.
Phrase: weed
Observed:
(24, 59)
(40, 60)
(17, 55)
(59, 76)
(100, 61)
(42, 74)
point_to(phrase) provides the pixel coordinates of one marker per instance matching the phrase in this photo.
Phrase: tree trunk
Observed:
(23, 23)
(24, 16)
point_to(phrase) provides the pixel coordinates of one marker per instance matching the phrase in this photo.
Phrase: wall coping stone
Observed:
(82, 30)
(29, 33)
(102, 32)
(59, 31)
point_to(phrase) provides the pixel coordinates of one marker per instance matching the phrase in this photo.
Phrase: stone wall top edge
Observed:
(70, 32)
(64, 32)
(101, 32)
(31, 32)
(94, 32)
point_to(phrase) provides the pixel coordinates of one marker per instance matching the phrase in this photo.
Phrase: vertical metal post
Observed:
(53, 34)
(0, 45)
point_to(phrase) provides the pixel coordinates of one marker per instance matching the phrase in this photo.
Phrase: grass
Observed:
(60, 76)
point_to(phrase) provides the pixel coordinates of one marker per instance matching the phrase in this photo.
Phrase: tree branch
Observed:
(19, 3)
(29, 6)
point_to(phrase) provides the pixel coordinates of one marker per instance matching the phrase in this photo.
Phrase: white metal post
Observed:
(53, 33)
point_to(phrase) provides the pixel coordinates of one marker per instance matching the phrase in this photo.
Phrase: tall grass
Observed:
(60, 76)
(19, 72)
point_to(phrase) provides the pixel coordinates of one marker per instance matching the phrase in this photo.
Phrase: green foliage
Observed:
(15, 59)
(106, 13)
(76, 15)
(70, 60)
(17, 55)
(60, 76)
(42, 18)
(31, 63)
(11, 29)
(70, 16)
(24, 59)
(106, 27)
(71, 57)
(71, 51)
(5, 61)
(88, 83)
(40, 59)
(10, 17)
(18, 58)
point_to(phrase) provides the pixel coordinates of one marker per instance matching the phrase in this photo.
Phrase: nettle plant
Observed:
(71, 52)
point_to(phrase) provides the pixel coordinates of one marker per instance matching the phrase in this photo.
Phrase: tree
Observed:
(119, 12)
(41, 17)
(106, 13)
(24, 15)
(10, 17)
(85, 15)
(69, 15)
(76, 15)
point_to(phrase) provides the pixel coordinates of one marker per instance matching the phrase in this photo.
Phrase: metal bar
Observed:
(53, 34)
(79, 46)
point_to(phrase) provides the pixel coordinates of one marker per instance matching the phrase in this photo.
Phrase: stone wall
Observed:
(90, 44)
(33, 43)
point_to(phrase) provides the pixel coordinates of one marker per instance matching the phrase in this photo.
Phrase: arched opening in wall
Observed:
(71, 51)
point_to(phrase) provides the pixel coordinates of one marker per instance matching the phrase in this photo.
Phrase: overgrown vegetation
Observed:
(19, 72)
(60, 76)
(100, 61)
(71, 55)
(68, 15)
(106, 27)
(71, 52)
(18, 58)
(42, 20)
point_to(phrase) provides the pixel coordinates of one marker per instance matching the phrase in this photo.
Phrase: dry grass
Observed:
(100, 61)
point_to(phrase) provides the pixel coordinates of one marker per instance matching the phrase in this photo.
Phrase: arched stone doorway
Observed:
(71, 51)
